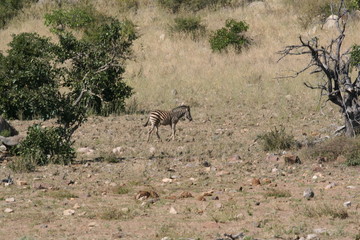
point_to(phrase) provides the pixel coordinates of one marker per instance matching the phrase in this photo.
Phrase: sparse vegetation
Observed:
(326, 210)
(276, 139)
(277, 193)
(190, 26)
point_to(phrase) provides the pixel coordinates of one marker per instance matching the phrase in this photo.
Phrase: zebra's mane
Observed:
(180, 108)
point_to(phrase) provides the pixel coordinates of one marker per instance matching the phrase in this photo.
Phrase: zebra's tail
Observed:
(146, 122)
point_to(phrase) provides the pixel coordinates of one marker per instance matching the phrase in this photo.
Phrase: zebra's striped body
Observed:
(171, 118)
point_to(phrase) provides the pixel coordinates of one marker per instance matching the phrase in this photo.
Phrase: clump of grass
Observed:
(277, 193)
(227, 213)
(60, 194)
(115, 214)
(121, 190)
(338, 146)
(190, 26)
(325, 210)
(276, 140)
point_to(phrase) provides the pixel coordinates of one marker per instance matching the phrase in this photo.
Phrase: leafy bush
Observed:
(355, 56)
(28, 83)
(174, 6)
(46, 145)
(230, 35)
(276, 140)
(104, 47)
(190, 26)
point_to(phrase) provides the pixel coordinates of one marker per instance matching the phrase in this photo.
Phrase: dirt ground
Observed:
(213, 180)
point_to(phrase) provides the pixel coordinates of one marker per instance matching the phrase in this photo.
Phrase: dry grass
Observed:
(234, 98)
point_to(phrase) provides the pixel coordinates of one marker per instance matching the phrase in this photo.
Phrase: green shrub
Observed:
(353, 157)
(230, 35)
(276, 140)
(28, 82)
(41, 147)
(355, 56)
(190, 26)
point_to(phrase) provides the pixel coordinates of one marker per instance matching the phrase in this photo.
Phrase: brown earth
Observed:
(214, 179)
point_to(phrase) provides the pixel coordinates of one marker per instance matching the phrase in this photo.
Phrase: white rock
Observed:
(85, 150)
(118, 150)
(172, 210)
(331, 22)
(311, 236)
(152, 150)
(347, 204)
(167, 180)
(69, 212)
(8, 210)
(10, 199)
(331, 185)
(92, 224)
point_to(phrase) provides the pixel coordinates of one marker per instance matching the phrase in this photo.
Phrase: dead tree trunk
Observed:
(336, 65)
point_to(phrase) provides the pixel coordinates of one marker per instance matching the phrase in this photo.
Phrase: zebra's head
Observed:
(183, 110)
(187, 113)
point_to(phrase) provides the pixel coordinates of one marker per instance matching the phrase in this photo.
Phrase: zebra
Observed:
(171, 118)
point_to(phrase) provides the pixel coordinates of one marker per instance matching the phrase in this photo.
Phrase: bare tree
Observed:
(337, 65)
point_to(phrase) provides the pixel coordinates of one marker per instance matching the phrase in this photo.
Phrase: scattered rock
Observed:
(186, 195)
(255, 182)
(76, 206)
(152, 150)
(330, 22)
(85, 150)
(92, 224)
(21, 183)
(291, 159)
(331, 185)
(172, 210)
(312, 236)
(143, 195)
(10, 199)
(308, 194)
(270, 157)
(350, 187)
(69, 212)
(8, 210)
(167, 180)
(118, 150)
(347, 204)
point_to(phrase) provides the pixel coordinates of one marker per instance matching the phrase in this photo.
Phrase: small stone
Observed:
(218, 205)
(118, 150)
(350, 187)
(8, 210)
(69, 212)
(10, 199)
(85, 150)
(166, 238)
(291, 159)
(152, 150)
(92, 224)
(21, 183)
(125, 210)
(172, 210)
(312, 236)
(331, 185)
(167, 180)
(347, 204)
(308, 194)
(186, 195)
(76, 206)
(255, 182)
(320, 230)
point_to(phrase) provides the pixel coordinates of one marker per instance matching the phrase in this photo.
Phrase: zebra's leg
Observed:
(150, 131)
(157, 133)
(173, 131)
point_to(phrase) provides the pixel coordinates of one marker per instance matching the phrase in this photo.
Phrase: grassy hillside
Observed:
(164, 62)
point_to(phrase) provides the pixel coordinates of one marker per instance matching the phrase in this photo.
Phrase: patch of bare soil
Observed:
(213, 180)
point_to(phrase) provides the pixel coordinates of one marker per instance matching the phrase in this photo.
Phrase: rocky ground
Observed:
(213, 182)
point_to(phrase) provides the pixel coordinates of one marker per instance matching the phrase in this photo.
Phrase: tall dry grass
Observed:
(164, 65)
